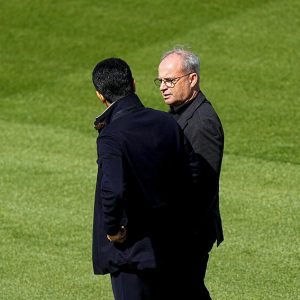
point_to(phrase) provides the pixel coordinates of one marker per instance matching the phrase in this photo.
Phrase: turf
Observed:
(249, 70)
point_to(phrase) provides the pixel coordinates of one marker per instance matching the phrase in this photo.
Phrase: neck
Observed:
(193, 96)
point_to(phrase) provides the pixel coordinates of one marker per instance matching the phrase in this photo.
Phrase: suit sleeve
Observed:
(112, 186)
(207, 139)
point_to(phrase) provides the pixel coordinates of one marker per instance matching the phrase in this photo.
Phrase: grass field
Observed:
(250, 71)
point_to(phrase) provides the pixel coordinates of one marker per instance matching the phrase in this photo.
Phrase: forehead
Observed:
(171, 66)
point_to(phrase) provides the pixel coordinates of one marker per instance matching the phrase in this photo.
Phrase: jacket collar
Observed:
(185, 111)
(117, 109)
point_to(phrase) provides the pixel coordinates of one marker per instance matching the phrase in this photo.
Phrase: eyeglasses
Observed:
(169, 82)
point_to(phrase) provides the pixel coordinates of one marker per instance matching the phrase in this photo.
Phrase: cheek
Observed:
(179, 93)
(176, 97)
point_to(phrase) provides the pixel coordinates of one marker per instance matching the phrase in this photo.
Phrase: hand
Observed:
(120, 237)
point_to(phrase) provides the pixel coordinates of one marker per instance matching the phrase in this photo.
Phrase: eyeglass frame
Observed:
(169, 82)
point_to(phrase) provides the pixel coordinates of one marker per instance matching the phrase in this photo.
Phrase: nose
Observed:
(163, 86)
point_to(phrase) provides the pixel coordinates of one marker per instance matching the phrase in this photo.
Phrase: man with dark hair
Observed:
(141, 230)
(179, 83)
(114, 79)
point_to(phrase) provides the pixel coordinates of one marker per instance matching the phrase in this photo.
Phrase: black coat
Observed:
(142, 183)
(203, 129)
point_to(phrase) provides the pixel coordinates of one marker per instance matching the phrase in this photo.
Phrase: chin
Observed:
(169, 101)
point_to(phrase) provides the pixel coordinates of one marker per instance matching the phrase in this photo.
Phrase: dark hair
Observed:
(112, 78)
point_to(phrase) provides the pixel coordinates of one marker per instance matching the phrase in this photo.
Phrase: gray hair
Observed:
(191, 61)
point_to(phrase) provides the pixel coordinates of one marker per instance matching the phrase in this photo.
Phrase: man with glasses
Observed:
(178, 80)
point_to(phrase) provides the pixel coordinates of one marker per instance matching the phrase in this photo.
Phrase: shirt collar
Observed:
(177, 109)
(101, 121)
(116, 109)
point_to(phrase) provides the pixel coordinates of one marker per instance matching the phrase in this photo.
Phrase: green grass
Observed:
(260, 256)
(249, 70)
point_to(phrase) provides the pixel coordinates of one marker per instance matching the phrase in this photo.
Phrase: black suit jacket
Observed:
(204, 131)
(142, 181)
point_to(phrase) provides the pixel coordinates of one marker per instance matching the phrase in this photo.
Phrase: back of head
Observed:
(191, 62)
(112, 78)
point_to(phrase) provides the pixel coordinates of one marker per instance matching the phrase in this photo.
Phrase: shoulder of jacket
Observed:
(205, 108)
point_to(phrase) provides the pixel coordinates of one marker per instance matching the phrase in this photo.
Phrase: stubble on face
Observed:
(171, 67)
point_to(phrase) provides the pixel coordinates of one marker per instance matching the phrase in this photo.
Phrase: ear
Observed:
(194, 79)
